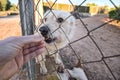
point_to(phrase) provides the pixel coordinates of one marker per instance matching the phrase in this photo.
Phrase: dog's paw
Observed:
(77, 73)
(43, 70)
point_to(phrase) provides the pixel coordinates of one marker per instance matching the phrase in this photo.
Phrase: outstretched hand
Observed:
(15, 51)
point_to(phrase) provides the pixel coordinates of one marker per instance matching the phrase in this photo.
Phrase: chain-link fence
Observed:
(95, 44)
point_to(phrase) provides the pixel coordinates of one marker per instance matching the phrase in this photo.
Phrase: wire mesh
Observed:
(96, 63)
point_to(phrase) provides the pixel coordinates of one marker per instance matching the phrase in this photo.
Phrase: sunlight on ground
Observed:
(9, 26)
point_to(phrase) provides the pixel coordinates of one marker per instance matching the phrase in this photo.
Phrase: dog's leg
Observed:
(43, 69)
(57, 58)
(41, 59)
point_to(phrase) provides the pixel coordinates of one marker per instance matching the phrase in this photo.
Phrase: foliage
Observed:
(5, 5)
(84, 9)
(0, 6)
(14, 13)
(114, 14)
(13, 7)
(8, 5)
(91, 4)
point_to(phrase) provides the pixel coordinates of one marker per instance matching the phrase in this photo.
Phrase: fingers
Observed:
(33, 54)
(30, 39)
(31, 46)
(28, 46)
(29, 51)
(32, 49)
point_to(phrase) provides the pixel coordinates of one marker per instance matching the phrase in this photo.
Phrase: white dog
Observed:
(57, 27)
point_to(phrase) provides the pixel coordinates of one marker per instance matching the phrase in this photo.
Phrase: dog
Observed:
(57, 27)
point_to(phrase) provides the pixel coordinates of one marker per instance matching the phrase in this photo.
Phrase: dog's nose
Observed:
(44, 30)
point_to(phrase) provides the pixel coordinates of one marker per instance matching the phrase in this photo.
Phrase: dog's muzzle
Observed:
(45, 31)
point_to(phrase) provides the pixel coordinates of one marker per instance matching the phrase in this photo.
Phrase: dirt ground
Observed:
(9, 26)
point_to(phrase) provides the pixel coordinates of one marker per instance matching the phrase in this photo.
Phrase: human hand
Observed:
(15, 51)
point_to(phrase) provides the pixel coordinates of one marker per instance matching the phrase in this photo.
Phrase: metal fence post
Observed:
(26, 8)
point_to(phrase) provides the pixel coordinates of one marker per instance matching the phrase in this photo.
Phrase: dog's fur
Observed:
(75, 74)
(59, 33)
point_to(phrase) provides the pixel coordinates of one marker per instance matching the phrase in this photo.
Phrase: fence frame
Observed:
(27, 27)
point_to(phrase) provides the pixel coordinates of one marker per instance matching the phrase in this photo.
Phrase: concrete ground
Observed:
(100, 64)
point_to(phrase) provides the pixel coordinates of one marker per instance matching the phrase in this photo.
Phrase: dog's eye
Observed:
(60, 20)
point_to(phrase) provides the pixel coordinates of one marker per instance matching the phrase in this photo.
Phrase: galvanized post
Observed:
(26, 8)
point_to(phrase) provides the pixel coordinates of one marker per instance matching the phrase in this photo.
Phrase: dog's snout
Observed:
(44, 30)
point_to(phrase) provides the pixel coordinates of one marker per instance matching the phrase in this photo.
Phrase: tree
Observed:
(3, 3)
(13, 7)
(0, 6)
(8, 5)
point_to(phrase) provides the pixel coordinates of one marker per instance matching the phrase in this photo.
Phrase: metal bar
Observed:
(26, 9)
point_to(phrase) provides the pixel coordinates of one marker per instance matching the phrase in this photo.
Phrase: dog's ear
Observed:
(75, 14)
(46, 8)
(46, 11)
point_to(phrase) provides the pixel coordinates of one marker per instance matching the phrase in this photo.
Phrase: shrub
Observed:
(13, 7)
(13, 13)
(114, 14)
